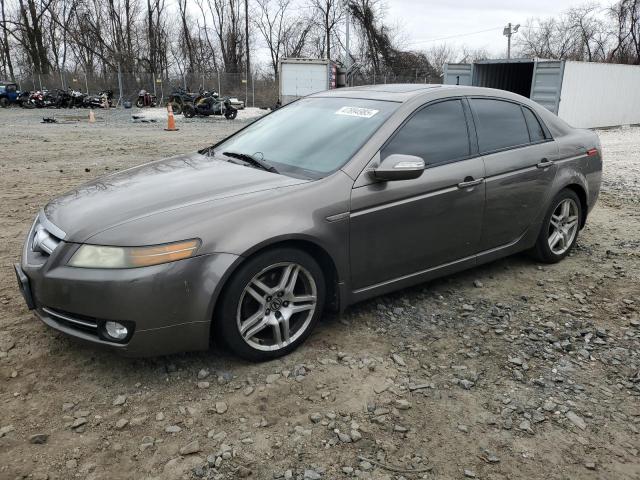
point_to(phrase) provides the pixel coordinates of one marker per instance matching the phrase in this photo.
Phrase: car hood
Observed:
(174, 183)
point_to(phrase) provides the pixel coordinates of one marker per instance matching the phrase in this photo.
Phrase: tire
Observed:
(261, 277)
(176, 107)
(140, 103)
(189, 111)
(4, 102)
(560, 228)
(231, 113)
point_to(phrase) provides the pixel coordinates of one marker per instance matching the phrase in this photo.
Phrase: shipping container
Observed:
(584, 94)
(300, 77)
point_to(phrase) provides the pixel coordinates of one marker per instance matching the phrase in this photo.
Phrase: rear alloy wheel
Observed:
(560, 229)
(188, 111)
(272, 304)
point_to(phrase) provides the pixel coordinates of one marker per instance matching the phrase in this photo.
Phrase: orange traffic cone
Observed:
(92, 117)
(171, 122)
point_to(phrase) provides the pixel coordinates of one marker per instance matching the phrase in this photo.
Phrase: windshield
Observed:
(313, 136)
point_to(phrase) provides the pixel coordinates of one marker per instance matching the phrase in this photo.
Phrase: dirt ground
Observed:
(511, 370)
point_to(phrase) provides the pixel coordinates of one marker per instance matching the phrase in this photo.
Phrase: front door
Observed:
(402, 227)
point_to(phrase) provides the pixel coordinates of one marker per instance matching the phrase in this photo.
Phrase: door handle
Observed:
(544, 163)
(470, 182)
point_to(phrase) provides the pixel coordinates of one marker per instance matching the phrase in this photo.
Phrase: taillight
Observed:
(592, 152)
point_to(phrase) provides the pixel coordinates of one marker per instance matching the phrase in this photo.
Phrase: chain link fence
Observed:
(410, 76)
(254, 91)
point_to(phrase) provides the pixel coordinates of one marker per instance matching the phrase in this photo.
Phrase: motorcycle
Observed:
(179, 98)
(145, 99)
(39, 99)
(62, 99)
(208, 104)
(23, 99)
(77, 98)
(102, 100)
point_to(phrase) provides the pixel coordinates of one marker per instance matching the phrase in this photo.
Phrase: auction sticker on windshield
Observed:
(357, 112)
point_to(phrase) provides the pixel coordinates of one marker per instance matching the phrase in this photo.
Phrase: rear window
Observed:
(536, 132)
(499, 124)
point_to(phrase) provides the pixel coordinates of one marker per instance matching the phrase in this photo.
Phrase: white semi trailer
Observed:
(300, 77)
(584, 94)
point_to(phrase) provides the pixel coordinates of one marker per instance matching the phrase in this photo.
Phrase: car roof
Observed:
(403, 92)
(419, 93)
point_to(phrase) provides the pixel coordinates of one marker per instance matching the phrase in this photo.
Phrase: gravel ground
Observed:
(511, 370)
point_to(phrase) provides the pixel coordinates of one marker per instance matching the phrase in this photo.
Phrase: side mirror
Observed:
(399, 167)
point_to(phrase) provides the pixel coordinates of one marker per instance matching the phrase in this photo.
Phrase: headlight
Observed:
(96, 256)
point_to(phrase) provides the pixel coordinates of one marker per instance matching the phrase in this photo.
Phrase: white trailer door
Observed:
(301, 79)
(547, 84)
(458, 74)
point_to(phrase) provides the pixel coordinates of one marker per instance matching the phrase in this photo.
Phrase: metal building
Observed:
(584, 94)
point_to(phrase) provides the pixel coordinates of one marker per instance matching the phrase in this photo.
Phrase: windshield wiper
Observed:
(253, 160)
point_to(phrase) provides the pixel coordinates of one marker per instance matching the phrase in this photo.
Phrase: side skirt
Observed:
(518, 245)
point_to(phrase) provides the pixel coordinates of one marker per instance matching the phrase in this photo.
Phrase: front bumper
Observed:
(169, 306)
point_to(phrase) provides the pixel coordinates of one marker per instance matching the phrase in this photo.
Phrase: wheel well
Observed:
(582, 195)
(319, 254)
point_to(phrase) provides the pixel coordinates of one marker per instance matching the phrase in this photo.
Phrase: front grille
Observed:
(71, 320)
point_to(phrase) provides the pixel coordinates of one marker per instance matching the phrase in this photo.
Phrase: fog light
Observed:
(116, 330)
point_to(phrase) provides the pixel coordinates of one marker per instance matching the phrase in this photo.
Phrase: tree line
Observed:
(168, 37)
(587, 33)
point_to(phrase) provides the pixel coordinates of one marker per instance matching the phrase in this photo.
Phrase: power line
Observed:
(454, 36)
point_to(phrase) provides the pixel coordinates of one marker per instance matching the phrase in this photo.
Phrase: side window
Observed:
(437, 133)
(536, 132)
(499, 124)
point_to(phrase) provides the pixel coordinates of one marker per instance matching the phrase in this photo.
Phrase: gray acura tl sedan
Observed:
(333, 199)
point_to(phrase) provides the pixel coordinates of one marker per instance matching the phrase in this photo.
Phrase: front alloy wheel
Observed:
(277, 306)
(271, 304)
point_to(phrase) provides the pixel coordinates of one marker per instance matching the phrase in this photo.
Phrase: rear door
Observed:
(402, 227)
(519, 155)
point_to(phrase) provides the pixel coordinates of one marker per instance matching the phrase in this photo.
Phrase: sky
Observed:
(429, 22)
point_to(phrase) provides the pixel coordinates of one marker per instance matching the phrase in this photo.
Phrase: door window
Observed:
(437, 134)
(499, 124)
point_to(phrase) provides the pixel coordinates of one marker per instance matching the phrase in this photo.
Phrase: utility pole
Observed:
(246, 45)
(508, 32)
(246, 35)
(347, 60)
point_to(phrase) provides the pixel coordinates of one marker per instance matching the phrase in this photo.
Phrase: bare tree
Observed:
(330, 13)
(271, 22)
(5, 46)
(438, 55)
(32, 33)
(296, 37)
(227, 25)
